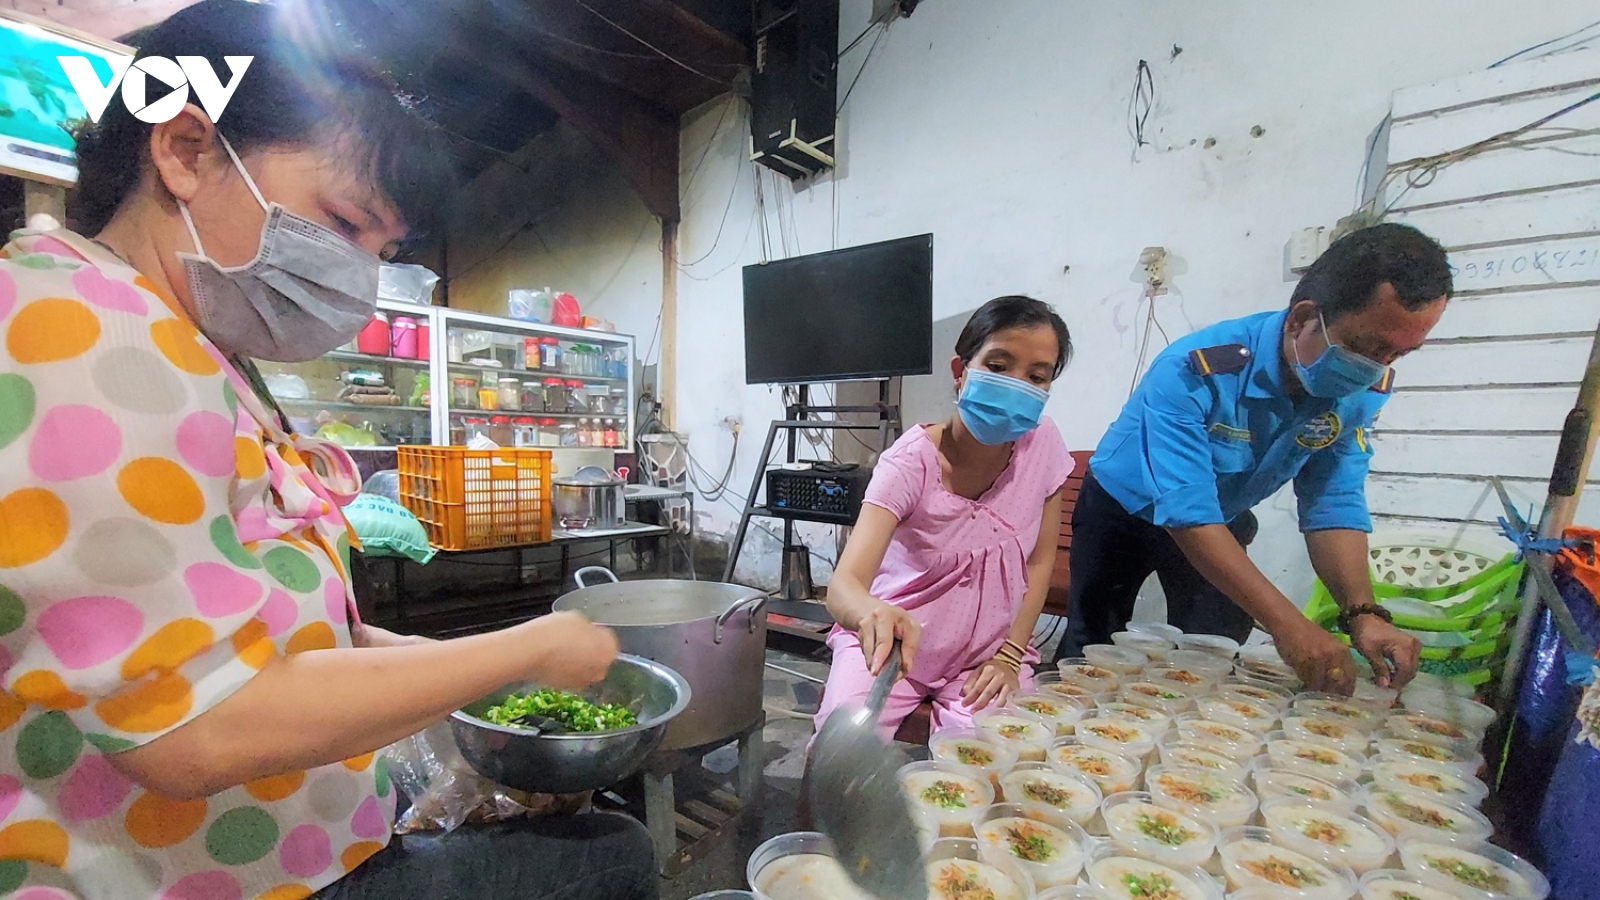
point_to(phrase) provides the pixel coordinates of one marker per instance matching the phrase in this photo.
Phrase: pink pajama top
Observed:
(960, 566)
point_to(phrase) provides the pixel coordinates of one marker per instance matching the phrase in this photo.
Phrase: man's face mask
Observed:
(307, 291)
(1337, 372)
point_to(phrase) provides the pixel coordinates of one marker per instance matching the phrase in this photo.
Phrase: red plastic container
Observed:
(374, 337)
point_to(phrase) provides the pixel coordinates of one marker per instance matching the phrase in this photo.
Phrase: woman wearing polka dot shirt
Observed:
(189, 709)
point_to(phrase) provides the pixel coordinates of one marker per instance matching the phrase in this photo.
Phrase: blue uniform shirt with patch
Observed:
(1199, 449)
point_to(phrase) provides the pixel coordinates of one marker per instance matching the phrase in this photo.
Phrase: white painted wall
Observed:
(1002, 127)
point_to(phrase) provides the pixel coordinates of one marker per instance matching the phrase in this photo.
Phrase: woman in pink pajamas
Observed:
(953, 550)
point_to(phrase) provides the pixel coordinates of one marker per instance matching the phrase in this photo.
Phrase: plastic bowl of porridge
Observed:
(1467, 762)
(1222, 801)
(1122, 660)
(1140, 827)
(1162, 630)
(1167, 698)
(1117, 734)
(1195, 681)
(1154, 647)
(951, 796)
(1316, 760)
(1256, 717)
(1049, 683)
(1154, 720)
(958, 870)
(1415, 815)
(1117, 875)
(1398, 884)
(1025, 733)
(1282, 784)
(1071, 892)
(1176, 751)
(1476, 870)
(1060, 713)
(1378, 699)
(800, 866)
(1353, 841)
(1209, 664)
(1265, 694)
(1329, 731)
(1252, 859)
(1082, 672)
(1340, 709)
(965, 747)
(1071, 794)
(1050, 848)
(1430, 780)
(1239, 743)
(1418, 727)
(1224, 648)
(1111, 772)
(1465, 712)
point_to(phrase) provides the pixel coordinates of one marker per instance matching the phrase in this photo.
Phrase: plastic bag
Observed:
(529, 305)
(406, 283)
(385, 484)
(447, 793)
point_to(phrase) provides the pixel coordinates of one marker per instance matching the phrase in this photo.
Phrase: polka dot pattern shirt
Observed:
(161, 540)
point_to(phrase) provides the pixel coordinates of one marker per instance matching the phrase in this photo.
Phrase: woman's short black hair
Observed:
(306, 84)
(1345, 278)
(1013, 311)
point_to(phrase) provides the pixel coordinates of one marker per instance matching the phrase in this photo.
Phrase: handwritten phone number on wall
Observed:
(1532, 261)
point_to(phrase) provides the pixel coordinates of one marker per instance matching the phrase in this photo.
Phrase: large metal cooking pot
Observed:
(590, 498)
(713, 634)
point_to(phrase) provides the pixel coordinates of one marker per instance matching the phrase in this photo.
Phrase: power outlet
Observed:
(1153, 266)
(731, 424)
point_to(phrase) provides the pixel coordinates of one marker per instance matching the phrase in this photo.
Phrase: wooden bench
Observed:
(916, 727)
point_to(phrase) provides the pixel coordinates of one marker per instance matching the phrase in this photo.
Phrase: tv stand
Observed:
(803, 416)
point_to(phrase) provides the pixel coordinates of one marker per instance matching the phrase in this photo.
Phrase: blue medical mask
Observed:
(1337, 372)
(998, 408)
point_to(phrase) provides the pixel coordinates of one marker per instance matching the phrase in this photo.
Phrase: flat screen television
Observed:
(845, 315)
(38, 107)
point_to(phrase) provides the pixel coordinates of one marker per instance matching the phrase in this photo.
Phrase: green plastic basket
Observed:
(1460, 604)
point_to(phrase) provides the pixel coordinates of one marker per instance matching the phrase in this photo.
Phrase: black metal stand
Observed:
(801, 416)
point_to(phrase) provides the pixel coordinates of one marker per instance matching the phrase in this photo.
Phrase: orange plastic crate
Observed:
(474, 499)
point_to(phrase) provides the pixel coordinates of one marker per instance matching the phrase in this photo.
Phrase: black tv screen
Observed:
(861, 312)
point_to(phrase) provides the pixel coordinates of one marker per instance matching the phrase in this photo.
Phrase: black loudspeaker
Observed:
(795, 84)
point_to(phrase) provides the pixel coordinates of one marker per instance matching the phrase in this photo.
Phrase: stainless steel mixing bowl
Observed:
(567, 763)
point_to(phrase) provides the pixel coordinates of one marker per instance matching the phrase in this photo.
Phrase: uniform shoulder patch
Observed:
(1385, 384)
(1223, 359)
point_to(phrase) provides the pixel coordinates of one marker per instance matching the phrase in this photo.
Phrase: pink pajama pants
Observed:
(849, 682)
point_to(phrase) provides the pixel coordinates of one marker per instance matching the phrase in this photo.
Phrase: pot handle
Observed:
(752, 605)
(593, 570)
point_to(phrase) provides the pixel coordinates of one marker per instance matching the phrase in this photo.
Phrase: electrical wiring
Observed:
(664, 54)
(864, 63)
(886, 16)
(1421, 171)
(1366, 162)
(1525, 51)
(1151, 322)
(716, 491)
(1140, 103)
(716, 132)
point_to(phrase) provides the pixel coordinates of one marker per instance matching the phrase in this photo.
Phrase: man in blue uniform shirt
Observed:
(1223, 419)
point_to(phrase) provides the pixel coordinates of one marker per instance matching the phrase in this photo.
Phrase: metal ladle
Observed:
(857, 802)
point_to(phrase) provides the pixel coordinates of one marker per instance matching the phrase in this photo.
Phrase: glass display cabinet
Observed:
(429, 375)
(526, 384)
(374, 392)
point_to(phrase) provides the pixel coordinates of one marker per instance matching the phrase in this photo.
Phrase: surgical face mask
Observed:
(1337, 372)
(307, 291)
(998, 408)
